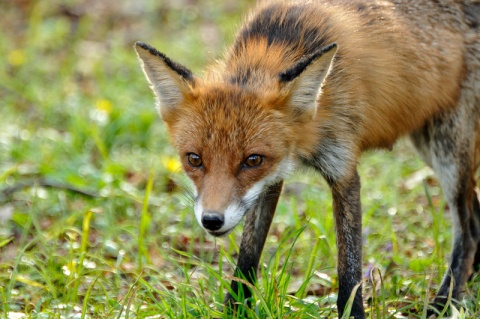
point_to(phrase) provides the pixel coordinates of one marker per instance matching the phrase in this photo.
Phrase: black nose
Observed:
(212, 220)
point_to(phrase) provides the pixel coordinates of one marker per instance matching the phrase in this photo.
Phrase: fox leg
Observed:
(475, 225)
(447, 144)
(257, 224)
(475, 228)
(348, 227)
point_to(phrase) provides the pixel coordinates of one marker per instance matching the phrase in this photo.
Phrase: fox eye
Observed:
(253, 161)
(194, 160)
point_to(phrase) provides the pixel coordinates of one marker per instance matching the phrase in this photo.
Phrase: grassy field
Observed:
(94, 219)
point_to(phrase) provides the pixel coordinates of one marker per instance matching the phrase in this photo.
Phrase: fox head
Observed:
(235, 140)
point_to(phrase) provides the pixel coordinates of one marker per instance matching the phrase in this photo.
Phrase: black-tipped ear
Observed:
(305, 78)
(168, 79)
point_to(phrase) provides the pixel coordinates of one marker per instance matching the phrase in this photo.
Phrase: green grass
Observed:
(94, 218)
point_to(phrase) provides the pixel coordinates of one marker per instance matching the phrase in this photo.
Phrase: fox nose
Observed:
(212, 220)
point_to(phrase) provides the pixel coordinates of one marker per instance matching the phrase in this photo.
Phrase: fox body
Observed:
(316, 83)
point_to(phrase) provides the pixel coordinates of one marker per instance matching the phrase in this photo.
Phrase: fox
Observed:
(316, 83)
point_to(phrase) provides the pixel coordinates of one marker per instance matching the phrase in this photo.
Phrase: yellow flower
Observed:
(104, 106)
(16, 57)
(172, 164)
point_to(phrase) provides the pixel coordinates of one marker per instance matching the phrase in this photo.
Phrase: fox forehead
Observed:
(230, 119)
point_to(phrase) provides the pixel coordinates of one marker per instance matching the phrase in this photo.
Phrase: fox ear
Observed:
(169, 80)
(304, 80)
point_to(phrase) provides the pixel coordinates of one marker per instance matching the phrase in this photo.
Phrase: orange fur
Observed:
(318, 83)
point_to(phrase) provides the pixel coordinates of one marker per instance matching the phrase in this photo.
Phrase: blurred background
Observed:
(95, 221)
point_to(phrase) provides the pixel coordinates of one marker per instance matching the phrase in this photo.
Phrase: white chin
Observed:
(220, 233)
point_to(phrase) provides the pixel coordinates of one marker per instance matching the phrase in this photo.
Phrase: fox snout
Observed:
(222, 201)
(219, 222)
(212, 220)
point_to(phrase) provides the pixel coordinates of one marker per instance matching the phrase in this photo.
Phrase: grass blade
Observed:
(348, 306)
(144, 225)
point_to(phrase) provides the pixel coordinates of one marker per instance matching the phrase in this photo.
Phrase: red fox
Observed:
(316, 83)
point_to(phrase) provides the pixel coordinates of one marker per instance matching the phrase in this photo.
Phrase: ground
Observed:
(95, 219)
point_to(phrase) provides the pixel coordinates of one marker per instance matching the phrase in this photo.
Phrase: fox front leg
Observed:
(257, 224)
(348, 227)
